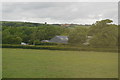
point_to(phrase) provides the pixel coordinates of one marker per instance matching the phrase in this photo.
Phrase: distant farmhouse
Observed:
(58, 39)
(68, 25)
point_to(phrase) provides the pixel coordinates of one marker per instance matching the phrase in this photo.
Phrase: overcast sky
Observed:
(60, 12)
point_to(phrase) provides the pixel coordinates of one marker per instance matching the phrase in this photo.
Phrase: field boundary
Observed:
(60, 48)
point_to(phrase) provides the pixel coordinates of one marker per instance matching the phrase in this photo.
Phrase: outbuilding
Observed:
(59, 39)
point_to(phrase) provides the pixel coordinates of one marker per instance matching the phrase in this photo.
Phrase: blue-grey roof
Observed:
(59, 39)
(62, 36)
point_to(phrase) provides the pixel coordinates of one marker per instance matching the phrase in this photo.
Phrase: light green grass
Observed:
(30, 63)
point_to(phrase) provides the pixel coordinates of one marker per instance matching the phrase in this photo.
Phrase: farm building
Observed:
(59, 39)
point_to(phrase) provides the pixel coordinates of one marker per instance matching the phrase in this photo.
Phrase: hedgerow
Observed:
(48, 47)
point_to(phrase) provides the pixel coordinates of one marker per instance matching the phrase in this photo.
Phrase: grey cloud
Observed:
(62, 12)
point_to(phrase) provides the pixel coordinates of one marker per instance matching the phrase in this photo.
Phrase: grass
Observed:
(30, 63)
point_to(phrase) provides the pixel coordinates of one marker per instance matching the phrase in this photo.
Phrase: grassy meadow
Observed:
(30, 63)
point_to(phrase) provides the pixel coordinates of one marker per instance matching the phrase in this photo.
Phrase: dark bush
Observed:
(46, 43)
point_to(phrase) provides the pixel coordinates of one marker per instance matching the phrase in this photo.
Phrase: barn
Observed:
(59, 39)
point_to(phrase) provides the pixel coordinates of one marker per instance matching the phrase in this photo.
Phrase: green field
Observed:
(30, 63)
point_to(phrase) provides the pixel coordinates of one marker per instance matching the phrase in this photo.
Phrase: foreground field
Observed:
(30, 63)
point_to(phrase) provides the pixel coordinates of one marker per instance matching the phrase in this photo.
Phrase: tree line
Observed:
(103, 33)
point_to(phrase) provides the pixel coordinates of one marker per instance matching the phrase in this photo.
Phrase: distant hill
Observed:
(19, 24)
(30, 24)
